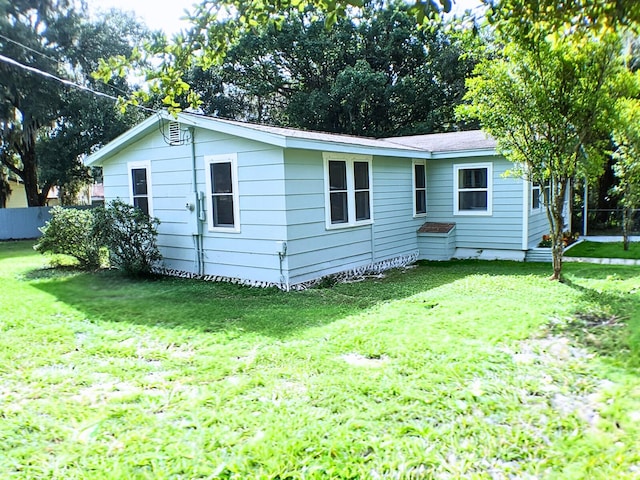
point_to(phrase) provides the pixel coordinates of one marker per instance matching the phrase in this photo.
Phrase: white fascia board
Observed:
(235, 130)
(122, 141)
(465, 154)
(305, 144)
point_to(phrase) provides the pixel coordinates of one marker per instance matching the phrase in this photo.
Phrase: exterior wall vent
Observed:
(174, 133)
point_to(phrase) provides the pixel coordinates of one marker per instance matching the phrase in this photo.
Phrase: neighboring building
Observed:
(90, 195)
(268, 205)
(18, 198)
(96, 192)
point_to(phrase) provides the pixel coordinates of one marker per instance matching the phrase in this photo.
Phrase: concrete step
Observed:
(538, 254)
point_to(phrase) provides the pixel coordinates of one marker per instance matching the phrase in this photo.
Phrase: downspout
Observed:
(197, 205)
(526, 212)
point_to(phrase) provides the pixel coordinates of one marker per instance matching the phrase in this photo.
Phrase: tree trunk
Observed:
(5, 189)
(555, 215)
(557, 250)
(627, 219)
(29, 175)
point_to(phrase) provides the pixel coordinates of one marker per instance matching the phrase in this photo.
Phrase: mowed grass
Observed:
(604, 250)
(447, 370)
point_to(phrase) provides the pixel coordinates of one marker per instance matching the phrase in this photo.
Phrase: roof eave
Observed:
(476, 152)
(121, 142)
(234, 129)
(144, 127)
(326, 146)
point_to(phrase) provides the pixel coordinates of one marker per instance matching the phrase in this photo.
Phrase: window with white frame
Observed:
(222, 192)
(348, 189)
(473, 186)
(419, 187)
(537, 195)
(140, 186)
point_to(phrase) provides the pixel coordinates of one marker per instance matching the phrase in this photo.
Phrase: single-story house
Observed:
(276, 206)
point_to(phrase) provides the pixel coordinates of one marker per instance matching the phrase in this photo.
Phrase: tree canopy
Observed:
(550, 98)
(217, 26)
(47, 124)
(376, 75)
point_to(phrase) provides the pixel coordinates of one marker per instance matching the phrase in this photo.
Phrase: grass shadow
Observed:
(606, 321)
(216, 307)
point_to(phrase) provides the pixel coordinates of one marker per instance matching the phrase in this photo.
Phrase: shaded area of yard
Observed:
(219, 307)
(446, 370)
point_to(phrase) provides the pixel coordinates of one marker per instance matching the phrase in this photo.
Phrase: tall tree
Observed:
(86, 121)
(549, 100)
(218, 24)
(376, 75)
(36, 111)
(33, 34)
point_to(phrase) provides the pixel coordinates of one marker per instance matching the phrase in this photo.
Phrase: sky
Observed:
(156, 14)
(165, 14)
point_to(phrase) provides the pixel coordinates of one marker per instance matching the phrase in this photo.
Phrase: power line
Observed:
(113, 87)
(13, 62)
(29, 48)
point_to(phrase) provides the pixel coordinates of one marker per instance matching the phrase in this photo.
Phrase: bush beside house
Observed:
(127, 234)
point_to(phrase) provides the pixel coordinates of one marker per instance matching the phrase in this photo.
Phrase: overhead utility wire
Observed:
(29, 48)
(11, 61)
(49, 58)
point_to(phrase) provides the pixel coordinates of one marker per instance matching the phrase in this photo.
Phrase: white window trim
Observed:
(225, 158)
(456, 189)
(146, 164)
(414, 188)
(351, 197)
(536, 186)
(540, 188)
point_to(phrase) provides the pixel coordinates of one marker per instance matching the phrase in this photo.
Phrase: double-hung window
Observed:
(140, 186)
(472, 191)
(419, 188)
(348, 190)
(222, 192)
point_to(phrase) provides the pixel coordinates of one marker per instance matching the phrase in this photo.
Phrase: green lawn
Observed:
(448, 370)
(604, 250)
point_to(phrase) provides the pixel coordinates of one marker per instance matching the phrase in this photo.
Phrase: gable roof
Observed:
(417, 146)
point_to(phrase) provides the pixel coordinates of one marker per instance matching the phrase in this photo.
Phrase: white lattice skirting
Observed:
(344, 276)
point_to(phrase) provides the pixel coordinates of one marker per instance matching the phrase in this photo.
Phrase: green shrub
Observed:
(130, 236)
(69, 232)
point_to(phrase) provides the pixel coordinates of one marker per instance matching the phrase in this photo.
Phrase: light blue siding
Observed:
(313, 251)
(250, 254)
(500, 231)
(281, 195)
(538, 226)
(437, 246)
(395, 226)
